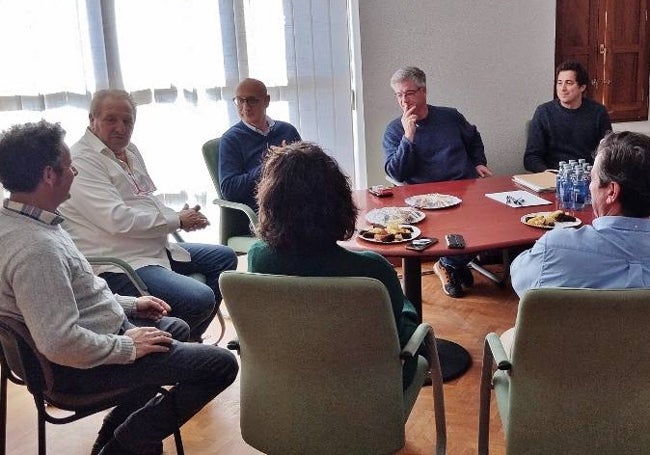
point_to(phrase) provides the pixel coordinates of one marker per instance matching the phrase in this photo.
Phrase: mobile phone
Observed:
(421, 244)
(455, 241)
(380, 191)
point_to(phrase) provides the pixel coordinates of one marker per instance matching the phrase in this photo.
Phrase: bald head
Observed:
(253, 85)
(252, 100)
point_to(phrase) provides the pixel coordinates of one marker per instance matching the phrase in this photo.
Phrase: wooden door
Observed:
(609, 37)
(576, 38)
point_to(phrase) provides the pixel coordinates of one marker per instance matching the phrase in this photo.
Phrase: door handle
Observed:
(602, 49)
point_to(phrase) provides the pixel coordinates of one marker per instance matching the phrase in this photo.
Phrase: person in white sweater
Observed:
(75, 320)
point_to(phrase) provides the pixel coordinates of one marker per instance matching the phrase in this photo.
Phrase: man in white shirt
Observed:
(77, 322)
(113, 212)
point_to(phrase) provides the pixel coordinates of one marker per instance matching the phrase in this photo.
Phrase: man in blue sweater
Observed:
(432, 144)
(244, 145)
(566, 128)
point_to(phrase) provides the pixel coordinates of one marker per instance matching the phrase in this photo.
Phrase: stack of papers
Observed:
(540, 182)
(518, 198)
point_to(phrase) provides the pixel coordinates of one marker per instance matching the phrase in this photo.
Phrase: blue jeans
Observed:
(194, 302)
(198, 372)
(458, 261)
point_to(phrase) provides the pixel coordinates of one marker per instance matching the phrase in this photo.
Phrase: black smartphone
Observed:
(380, 191)
(421, 244)
(455, 241)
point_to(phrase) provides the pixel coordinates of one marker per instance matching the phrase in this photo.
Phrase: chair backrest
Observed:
(321, 372)
(18, 355)
(232, 222)
(211, 157)
(580, 372)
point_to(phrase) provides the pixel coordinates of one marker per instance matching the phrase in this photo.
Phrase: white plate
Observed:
(432, 201)
(557, 225)
(404, 215)
(415, 234)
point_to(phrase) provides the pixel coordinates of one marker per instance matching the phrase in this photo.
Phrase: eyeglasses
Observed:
(251, 101)
(407, 94)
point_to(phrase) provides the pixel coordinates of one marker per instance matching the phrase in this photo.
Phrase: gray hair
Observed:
(625, 159)
(101, 95)
(409, 73)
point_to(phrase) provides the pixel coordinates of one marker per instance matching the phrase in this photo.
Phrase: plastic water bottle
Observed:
(567, 188)
(587, 183)
(558, 183)
(579, 189)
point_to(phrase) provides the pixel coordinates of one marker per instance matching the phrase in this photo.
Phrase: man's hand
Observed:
(192, 219)
(408, 122)
(483, 171)
(148, 340)
(150, 307)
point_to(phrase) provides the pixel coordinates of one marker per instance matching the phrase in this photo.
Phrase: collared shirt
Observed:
(33, 212)
(612, 253)
(269, 121)
(112, 211)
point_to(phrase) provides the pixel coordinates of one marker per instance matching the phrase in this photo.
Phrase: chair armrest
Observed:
(126, 268)
(498, 352)
(424, 334)
(250, 213)
(416, 340)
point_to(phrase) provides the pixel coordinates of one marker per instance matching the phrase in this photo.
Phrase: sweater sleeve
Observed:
(237, 181)
(399, 154)
(473, 142)
(42, 283)
(536, 147)
(604, 122)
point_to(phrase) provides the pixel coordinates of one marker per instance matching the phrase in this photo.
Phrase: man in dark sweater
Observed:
(433, 144)
(569, 127)
(244, 145)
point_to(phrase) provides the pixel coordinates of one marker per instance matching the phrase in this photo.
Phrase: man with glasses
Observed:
(113, 212)
(566, 128)
(244, 145)
(432, 144)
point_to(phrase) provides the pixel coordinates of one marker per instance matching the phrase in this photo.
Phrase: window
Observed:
(181, 59)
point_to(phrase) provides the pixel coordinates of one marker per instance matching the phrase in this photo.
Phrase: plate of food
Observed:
(389, 234)
(551, 220)
(400, 215)
(432, 201)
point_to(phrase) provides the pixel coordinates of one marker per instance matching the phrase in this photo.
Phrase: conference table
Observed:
(486, 224)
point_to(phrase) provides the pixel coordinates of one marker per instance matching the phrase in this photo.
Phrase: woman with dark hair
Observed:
(305, 207)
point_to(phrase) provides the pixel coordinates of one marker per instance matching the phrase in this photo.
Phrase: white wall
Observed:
(493, 60)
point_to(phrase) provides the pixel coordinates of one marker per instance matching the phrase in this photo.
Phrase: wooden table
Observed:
(485, 223)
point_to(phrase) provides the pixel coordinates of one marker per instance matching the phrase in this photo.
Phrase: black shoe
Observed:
(450, 283)
(465, 276)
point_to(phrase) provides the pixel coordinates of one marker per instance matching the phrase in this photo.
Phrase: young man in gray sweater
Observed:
(74, 319)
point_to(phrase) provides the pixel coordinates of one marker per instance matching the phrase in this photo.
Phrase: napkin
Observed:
(518, 198)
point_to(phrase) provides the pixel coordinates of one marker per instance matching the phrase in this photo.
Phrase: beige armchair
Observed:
(321, 365)
(576, 379)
